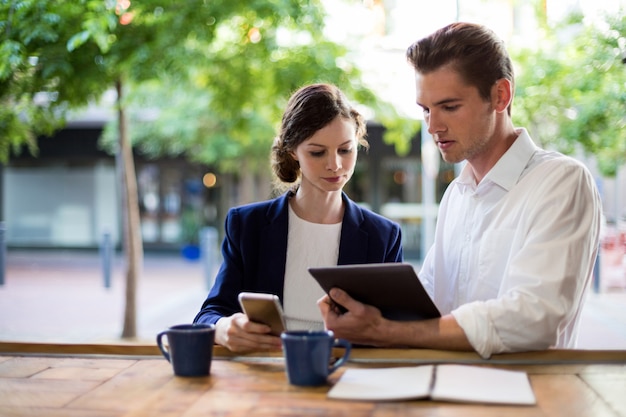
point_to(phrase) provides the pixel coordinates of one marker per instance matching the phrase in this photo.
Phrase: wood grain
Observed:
(115, 385)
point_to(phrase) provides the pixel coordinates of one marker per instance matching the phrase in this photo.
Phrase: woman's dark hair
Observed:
(473, 50)
(310, 109)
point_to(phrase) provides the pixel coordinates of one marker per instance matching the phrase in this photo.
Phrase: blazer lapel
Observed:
(273, 253)
(353, 243)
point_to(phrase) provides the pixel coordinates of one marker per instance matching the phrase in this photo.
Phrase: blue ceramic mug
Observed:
(189, 348)
(308, 355)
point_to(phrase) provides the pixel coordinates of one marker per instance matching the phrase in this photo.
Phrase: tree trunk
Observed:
(133, 247)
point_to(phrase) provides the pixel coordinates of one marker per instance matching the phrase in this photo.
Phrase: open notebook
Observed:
(449, 382)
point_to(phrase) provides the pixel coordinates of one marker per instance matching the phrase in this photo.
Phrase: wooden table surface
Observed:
(55, 384)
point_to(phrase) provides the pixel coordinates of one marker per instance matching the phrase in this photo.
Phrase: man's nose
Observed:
(434, 123)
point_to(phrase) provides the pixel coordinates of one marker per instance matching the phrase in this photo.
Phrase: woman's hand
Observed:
(240, 335)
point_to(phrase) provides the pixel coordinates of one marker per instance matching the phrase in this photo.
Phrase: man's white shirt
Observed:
(513, 255)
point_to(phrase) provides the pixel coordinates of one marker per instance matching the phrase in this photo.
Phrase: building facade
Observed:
(68, 195)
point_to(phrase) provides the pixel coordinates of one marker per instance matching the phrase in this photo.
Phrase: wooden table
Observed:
(51, 384)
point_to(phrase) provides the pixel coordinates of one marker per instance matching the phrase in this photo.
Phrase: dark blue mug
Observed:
(308, 355)
(189, 348)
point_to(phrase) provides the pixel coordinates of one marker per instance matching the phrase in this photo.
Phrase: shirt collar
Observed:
(507, 171)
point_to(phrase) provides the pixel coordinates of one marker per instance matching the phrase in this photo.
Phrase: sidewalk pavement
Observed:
(60, 296)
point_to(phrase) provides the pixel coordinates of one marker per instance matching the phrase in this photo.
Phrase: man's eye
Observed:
(451, 108)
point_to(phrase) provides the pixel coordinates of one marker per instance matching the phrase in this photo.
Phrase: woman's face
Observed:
(327, 158)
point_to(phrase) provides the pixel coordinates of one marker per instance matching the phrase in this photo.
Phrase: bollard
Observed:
(106, 255)
(208, 253)
(3, 251)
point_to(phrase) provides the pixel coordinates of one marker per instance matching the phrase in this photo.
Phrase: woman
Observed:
(269, 245)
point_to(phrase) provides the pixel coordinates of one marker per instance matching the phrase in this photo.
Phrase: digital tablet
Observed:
(393, 288)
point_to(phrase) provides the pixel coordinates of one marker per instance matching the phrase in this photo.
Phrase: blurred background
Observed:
(128, 129)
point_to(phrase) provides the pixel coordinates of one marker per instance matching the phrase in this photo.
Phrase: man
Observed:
(517, 232)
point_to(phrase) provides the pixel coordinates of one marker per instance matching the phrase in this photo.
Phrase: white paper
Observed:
(459, 383)
(383, 384)
(483, 385)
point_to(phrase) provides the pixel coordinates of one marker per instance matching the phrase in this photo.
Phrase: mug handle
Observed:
(346, 354)
(161, 347)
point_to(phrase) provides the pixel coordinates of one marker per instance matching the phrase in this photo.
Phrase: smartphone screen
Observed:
(263, 308)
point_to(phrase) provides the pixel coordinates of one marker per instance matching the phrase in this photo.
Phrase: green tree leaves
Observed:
(571, 92)
(205, 79)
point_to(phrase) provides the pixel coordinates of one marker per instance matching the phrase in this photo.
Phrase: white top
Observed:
(308, 245)
(513, 255)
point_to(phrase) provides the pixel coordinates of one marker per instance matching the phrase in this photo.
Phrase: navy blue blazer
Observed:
(254, 250)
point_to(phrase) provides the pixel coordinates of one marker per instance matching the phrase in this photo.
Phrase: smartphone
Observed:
(263, 308)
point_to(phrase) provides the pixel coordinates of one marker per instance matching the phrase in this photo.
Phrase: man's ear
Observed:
(502, 94)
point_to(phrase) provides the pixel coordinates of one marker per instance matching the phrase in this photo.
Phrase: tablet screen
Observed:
(393, 288)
